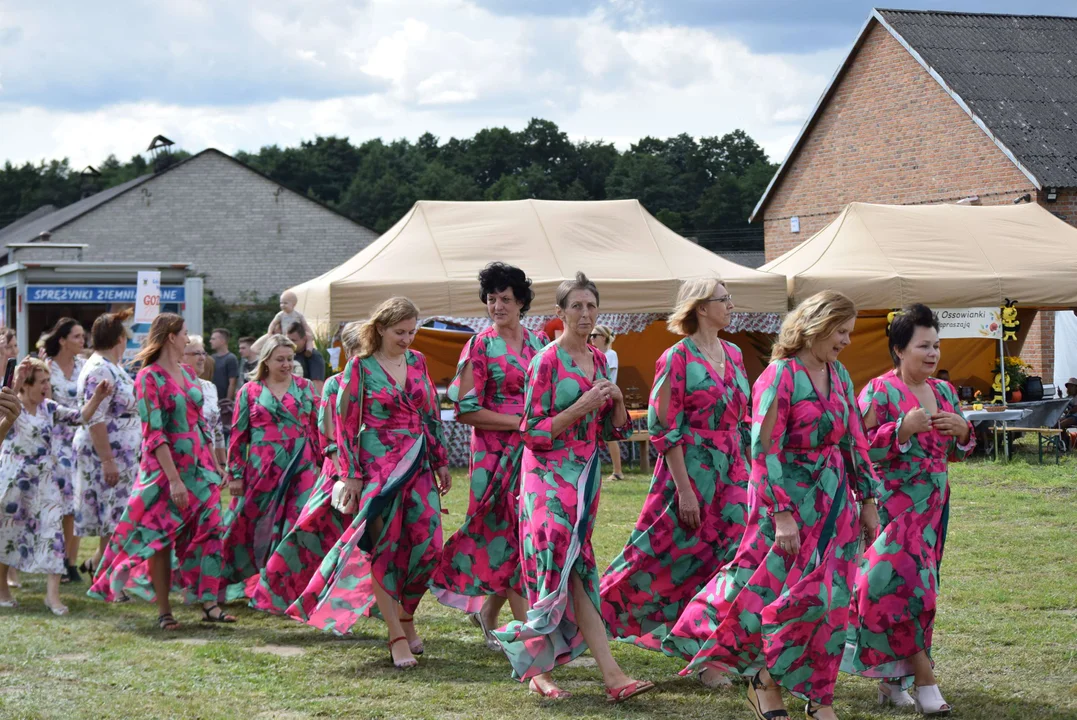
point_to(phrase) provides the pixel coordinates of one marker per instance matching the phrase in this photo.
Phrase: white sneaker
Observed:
(890, 694)
(929, 701)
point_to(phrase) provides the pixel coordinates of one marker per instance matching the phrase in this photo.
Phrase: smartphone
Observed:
(9, 372)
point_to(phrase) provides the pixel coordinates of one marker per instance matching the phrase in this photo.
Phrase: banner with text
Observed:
(148, 300)
(985, 322)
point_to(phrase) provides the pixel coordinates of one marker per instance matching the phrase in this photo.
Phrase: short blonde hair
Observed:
(693, 293)
(817, 317)
(605, 332)
(289, 296)
(36, 365)
(269, 346)
(351, 338)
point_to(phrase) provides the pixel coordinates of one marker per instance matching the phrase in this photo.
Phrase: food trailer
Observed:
(38, 292)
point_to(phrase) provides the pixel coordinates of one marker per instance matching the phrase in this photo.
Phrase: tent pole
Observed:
(1002, 373)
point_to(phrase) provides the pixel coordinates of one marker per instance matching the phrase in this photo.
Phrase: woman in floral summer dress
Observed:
(106, 448)
(175, 504)
(782, 604)
(31, 502)
(694, 515)
(915, 426)
(480, 566)
(299, 554)
(569, 408)
(63, 356)
(274, 457)
(393, 458)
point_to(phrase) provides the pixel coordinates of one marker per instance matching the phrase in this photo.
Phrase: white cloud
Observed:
(398, 68)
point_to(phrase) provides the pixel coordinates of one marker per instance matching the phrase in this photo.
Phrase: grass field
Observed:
(1005, 639)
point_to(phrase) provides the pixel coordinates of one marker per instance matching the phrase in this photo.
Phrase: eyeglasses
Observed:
(724, 299)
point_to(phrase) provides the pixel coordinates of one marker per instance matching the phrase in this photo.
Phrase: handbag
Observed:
(337, 497)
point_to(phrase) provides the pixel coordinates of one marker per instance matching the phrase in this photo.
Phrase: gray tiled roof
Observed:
(753, 259)
(1017, 73)
(22, 231)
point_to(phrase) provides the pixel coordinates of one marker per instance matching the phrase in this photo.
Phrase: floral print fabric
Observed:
(897, 583)
(559, 493)
(302, 550)
(790, 612)
(31, 499)
(65, 392)
(98, 507)
(483, 558)
(395, 537)
(171, 413)
(646, 589)
(276, 453)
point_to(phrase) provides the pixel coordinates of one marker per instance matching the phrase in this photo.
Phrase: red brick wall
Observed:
(890, 134)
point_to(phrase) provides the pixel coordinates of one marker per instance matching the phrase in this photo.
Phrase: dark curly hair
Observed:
(905, 324)
(498, 277)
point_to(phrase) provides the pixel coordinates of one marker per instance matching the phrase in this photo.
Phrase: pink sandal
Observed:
(555, 694)
(636, 687)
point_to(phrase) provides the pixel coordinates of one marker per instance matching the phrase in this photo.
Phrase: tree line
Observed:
(704, 187)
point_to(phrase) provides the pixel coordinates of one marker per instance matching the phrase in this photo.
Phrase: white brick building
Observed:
(246, 234)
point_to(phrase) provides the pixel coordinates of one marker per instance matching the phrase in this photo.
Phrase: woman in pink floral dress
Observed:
(782, 604)
(480, 566)
(392, 456)
(694, 515)
(318, 527)
(175, 506)
(570, 407)
(274, 456)
(915, 426)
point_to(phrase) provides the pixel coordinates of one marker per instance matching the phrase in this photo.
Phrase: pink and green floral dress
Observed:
(897, 584)
(171, 414)
(559, 491)
(275, 451)
(790, 612)
(483, 557)
(301, 551)
(395, 451)
(647, 588)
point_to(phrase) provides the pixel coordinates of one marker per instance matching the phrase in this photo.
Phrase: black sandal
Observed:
(167, 623)
(87, 567)
(753, 700)
(220, 617)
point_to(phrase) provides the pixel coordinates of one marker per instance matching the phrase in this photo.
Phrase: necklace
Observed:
(716, 360)
(385, 361)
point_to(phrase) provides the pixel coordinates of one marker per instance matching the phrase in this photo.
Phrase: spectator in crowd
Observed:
(602, 338)
(195, 356)
(1069, 419)
(248, 359)
(311, 361)
(9, 344)
(944, 375)
(289, 316)
(225, 375)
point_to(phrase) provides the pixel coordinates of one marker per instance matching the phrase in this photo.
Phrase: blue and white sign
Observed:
(97, 294)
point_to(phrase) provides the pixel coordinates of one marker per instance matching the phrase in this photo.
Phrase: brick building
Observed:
(933, 107)
(245, 233)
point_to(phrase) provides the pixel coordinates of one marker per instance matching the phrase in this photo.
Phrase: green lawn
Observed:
(1005, 639)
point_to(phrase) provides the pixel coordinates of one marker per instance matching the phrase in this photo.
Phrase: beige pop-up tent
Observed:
(433, 256)
(887, 256)
(946, 256)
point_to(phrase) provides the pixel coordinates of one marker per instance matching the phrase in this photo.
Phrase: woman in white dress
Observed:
(602, 338)
(107, 447)
(63, 346)
(31, 500)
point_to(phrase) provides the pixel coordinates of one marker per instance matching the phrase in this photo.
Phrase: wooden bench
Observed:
(1044, 436)
(644, 439)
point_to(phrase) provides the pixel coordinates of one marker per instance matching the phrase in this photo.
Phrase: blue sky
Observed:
(83, 79)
